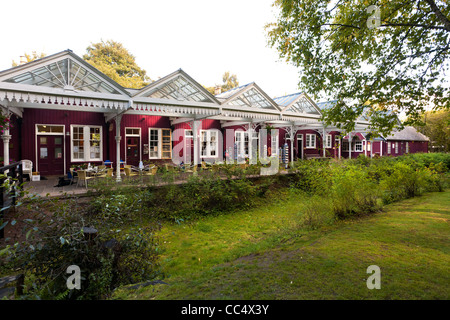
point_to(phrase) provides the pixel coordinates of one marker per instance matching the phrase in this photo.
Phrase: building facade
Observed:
(64, 112)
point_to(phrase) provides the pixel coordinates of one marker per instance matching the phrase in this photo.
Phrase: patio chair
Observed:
(151, 171)
(191, 169)
(106, 173)
(129, 173)
(72, 177)
(101, 170)
(82, 176)
(27, 168)
(205, 166)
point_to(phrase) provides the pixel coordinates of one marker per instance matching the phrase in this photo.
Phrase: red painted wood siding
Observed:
(31, 117)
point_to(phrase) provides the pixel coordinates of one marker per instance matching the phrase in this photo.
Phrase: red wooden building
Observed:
(63, 112)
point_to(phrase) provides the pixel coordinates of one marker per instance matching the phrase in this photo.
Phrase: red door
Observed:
(133, 151)
(50, 155)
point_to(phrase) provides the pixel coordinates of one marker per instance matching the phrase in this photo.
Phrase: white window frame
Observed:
(328, 141)
(241, 143)
(160, 143)
(209, 146)
(388, 148)
(358, 146)
(135, 136)
(309, 142)
(407, 147)
(62, 134)
(86, 144)
(396, 148)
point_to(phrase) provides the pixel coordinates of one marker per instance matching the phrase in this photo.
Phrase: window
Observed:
(153, 143)
(86, 143)
(357, 145)
(388, 148)
(50, 129)
(209, 143)
(166, 144)
(310, 141)
(396, 147)
(242, 143)
(407, 147)
(95, 143)
(328, 141)
(136, 132)
(160, 142)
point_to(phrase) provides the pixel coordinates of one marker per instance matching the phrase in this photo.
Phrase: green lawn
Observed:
(264, 253)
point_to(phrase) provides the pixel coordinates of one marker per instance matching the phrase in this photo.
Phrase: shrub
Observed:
(353, 191)
(54, 239)
(316, 212)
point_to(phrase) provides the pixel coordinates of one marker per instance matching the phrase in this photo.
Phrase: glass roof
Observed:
(65, 74)
(252, 98)
(179, 89)
(303, 106)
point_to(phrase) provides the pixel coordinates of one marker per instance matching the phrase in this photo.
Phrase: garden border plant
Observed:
(337, 189)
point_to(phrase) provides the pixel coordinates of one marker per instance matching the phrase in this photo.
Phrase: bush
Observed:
(54, 239)
(353, 191)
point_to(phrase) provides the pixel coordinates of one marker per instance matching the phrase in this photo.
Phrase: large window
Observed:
(160, 142)
(86, 143)
(209, 143)
(242, 144)
(310, 141)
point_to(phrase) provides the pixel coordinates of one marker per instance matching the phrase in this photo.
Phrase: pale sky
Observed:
(205, 38)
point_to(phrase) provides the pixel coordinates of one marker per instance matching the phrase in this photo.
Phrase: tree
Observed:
(115, 61)
(229, 81)
(436, 126)
(385, 56)
(30, 57)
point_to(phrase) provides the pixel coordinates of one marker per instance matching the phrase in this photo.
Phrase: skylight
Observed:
(178, 89)
(65, 74)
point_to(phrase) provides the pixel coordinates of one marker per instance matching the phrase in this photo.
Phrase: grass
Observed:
(264, 253)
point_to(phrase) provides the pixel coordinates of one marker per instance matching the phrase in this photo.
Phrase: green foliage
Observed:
(397, 65)
(352, 191)
(436, 126)
(361, 186)
(115, 61)
(119, 254)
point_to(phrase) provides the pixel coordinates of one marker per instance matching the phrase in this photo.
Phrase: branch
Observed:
(439, 14)
(412, 25)
(340, 25)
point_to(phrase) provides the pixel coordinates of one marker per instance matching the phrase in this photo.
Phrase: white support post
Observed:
(340, 150)
(323, 141)
(118, 138)
(350, 145)
(292, 136)
(196, 137)
(6, 137)
(365, 148)
(371, 148)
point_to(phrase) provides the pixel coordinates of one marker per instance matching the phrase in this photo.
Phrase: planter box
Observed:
(35, 177)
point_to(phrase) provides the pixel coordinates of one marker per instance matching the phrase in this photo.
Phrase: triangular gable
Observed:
(177, 86)
(250, 95)
(298, 103)
(65, 71)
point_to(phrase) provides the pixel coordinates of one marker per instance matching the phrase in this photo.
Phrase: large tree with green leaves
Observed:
(114, 60)
(436, 126)
(391, 55)
(229, 81)
(28, 57)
